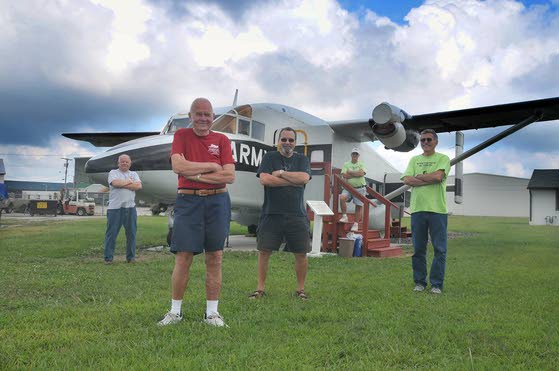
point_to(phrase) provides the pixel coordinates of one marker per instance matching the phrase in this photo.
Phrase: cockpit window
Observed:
(257, 130)
(226, 123)
(239, 121)
(177, 124)
(244, 126)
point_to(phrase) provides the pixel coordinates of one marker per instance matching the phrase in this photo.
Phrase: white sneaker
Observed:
(170, 319)
(419, 288)
(344, 219)
(436, 290)
(355, 227)
(214, 319)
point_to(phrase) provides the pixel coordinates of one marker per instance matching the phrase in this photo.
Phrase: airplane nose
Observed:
(98, 164)
(88, 165)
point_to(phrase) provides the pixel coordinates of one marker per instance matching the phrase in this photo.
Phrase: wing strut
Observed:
(505, 133)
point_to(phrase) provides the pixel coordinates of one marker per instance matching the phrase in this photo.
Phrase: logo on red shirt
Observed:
(213, 150)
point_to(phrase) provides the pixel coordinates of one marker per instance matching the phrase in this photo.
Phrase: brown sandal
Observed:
(301, 295)
(257, 294)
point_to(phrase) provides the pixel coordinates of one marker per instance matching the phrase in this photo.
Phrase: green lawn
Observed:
(61, 308)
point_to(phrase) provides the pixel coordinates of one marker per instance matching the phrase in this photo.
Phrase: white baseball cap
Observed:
(355, 150)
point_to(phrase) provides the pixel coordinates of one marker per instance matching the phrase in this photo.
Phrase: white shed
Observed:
(544, 197)
(490, 195)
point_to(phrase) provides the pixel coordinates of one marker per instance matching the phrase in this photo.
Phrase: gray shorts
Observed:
(362, 190)
(274, 229)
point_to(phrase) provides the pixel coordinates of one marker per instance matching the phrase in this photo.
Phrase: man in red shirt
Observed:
(204, 163)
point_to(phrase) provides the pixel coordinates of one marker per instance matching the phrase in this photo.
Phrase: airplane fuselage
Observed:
(150, 157)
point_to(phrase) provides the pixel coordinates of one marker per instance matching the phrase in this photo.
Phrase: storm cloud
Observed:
(104, 65)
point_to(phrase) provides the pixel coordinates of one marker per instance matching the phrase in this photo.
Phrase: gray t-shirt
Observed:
(288, 199)
(121, 197)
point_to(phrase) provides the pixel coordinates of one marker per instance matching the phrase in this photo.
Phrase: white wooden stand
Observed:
(320, 209)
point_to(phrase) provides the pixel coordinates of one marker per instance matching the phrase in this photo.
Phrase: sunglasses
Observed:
(290, 140)
(428, 140)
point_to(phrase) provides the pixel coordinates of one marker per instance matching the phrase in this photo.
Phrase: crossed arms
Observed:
(353, 174)
(281, 178)
(203, 172)
(129, 184)
(424, 179)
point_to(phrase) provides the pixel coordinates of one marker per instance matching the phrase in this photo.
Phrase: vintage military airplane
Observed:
(253, 130)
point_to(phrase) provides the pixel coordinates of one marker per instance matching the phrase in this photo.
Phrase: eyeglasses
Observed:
(290, 140)
(428, 140)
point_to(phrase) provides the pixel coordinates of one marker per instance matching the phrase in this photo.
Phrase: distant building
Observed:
(490, 195)
(544, 197)
(483, 195)
(18, 186)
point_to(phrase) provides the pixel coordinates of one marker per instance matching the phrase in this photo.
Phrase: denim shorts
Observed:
(201, 223)
(274, 229)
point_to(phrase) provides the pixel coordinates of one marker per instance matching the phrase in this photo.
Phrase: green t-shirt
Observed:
(355, 182)
(431, 197)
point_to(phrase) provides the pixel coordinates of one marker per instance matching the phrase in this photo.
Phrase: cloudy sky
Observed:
(112, 65)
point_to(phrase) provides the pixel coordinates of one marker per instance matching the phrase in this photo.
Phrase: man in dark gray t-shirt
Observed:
(283, 174)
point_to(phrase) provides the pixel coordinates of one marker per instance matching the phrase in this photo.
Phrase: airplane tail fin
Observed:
(235, 98)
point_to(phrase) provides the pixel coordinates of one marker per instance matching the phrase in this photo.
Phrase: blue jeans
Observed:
(424, 224)
(115, 219)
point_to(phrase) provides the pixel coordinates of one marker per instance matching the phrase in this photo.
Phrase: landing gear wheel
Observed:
(169, 236)
(251, 230)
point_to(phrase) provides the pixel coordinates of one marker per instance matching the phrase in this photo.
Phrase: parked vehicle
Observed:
(70, 203)
(15, 204)
(43, 207)
(158, 208)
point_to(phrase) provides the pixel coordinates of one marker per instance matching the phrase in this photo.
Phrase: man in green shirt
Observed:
(426, 174)
(354, 173)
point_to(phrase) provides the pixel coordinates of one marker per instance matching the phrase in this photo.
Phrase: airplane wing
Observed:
(109, 139)
(466, 119)
(485, 117)
(354, 130)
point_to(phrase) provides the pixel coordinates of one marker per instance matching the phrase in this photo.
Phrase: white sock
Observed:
(344, 215)
(176, 306)
(211, 307)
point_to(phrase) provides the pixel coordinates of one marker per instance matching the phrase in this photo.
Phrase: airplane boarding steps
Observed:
(375, 243)
(377, 246)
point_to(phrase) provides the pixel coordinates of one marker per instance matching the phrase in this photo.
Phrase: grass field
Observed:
(61, 308)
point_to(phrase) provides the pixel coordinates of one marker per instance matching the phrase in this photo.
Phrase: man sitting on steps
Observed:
(354, 173)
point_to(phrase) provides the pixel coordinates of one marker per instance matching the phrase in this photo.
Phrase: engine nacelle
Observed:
(386, 113)
(387, 127)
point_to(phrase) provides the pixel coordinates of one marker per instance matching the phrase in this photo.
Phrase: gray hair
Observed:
(430, 131)
(124, 154)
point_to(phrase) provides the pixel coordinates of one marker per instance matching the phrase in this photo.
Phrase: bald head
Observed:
(200, 102)
(201, 115)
